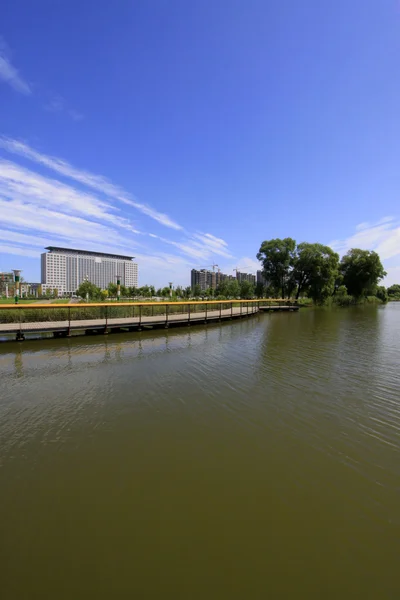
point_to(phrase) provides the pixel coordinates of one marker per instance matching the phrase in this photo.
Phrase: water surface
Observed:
(255, 459)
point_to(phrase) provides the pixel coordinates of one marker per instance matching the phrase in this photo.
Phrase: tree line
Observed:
(316, 272)
(290, 270)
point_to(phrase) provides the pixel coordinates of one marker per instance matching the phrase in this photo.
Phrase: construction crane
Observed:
(208, 266)
(241, 269)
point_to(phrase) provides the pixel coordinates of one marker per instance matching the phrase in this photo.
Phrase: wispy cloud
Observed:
(76, 208)
(57, 104)
(17, 183)
(9, 74)
(97, 182)
(383, 237)
(75, 115)
(201, 247)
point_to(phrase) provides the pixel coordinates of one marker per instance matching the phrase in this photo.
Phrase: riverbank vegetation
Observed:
(314, 271)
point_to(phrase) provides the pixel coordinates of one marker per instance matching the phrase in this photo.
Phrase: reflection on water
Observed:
(247, 460)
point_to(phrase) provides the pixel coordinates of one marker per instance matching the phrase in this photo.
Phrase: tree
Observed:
(361, 270)
(165, 292)
(381, 293)
(315, 270)
(88, 289)
(277, 258)
(232, 288)
(178, 291)
(187, 292)
(132, 291)
(394, 292)
(259, 290)
(112, 289)
(246, 290)
(197, 290)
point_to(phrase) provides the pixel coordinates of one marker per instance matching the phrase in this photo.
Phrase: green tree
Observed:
(197, 290)
(112, 289)
(394, 292)
(259, 290)
(381, 293)
(88, 289)
(361, 270)
(232, 288)
(165, 292)
(246, 290)
(277, 257)
(315, 270)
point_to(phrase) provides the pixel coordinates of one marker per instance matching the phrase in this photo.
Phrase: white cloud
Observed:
(19, 251)
(17, 183)
(10, 75)
(392, 277)
(383, 237)
(73, 230)
(37, 211)
(75, 115)
(57, 104)
(91, 180)
(201, 247)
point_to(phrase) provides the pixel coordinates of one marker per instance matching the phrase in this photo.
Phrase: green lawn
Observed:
(12, 301)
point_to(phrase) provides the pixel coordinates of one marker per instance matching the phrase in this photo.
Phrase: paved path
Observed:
(126, 322)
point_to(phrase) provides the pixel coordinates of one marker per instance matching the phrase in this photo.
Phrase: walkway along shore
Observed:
(67, 320)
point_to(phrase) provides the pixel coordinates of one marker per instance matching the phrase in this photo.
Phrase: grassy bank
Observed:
(21, 301)
(81, 312)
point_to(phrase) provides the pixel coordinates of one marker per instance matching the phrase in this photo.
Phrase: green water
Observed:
(254, 459)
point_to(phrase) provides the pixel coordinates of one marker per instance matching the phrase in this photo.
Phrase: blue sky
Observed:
(187, 132)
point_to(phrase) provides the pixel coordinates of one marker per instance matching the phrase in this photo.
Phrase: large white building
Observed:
(64, 269)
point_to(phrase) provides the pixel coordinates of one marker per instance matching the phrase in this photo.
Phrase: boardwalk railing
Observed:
(106, 316)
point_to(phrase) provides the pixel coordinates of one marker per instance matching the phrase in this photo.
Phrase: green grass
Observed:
(21, 300)
(60, 301)
(83, 312)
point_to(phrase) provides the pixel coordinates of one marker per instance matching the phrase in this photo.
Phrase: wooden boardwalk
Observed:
(279, 308)
(66, 328)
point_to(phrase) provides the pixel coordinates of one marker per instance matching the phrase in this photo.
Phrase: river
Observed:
(254, 459)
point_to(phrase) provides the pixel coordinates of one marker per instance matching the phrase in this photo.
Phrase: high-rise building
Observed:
(211, 279)
(201, 277)
(64, 269)
(245, 277)
(261, 278)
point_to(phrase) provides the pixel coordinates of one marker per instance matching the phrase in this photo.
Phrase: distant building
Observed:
(30, 289)
(6, 283)
(200, 277)
(210, 279)
(64, 269)
(245, 277)
(260, 277)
